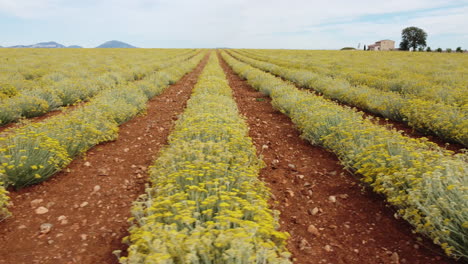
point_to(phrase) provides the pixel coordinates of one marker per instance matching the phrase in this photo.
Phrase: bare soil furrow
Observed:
(88, 204)
(391, 124)
(331, 217)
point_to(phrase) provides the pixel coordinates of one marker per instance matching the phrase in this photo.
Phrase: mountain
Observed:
(74, 47)
(50, 45)
(115, 44)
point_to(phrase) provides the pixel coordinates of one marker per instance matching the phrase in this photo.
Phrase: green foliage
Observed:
(439, 50)
(412, 37)
(428, 49)
(459, 49)
(448, 50)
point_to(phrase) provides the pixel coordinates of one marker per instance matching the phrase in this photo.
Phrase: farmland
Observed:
(233, 156)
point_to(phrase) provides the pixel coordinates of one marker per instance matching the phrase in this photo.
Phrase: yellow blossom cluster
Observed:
(429, 76)
(30, 87)
(36, 151)
(427, 184)
(447, 121)
(3, 202)
(206, 203)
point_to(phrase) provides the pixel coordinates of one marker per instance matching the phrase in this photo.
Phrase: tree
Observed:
(449, 50)
(459, 49)
(412, 37)
(439, 50)
(428, 49)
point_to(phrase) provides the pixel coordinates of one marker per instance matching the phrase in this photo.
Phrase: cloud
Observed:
(237, 23)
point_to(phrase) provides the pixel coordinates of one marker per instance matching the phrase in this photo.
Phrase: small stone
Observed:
(87, 164)
(314, 211)
(41, 210)
(356, 250)
(304, 244)
(275, 161)
(50, 242)
(63, 220)
(84, 204)
(83, 237)
(96, 188)
(332, 198)
(45, 228)
(300, 176)
(327, 248)
(36, 202)
(126, 149)
(21, 227)
(103, 172)
(395, 258)
(344, 196)
(290, 192)
(416, 246)
(313, 230)
(265, 147)
(292, 166)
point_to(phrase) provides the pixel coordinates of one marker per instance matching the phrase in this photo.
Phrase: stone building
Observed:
(385, 44)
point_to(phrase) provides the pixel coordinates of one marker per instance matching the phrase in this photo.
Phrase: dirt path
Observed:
(378, 119)
(89, 203)
(356, 228)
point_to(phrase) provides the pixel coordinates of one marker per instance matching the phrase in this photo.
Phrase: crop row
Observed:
(36, 151)
(445, 121)
(57, 89)
(433, 77)
(206, 204)
(427, 184)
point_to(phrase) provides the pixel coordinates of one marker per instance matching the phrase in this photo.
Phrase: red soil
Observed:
(359, 227)
(89, 202)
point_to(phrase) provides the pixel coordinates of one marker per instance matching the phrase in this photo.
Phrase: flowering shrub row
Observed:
(53, 87)
(205, 203)
(427, 184)
(433, 77)
(445, 121)
(35, 152)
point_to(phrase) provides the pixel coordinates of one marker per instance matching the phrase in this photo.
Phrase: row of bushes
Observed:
(205, 203)
(427, 184)
(58, 90)
(445, 121)
(35, 152)
(434, 78)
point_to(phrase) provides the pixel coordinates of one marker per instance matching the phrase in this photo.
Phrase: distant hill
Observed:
(115, 44)
(49, 45)
(74, 47)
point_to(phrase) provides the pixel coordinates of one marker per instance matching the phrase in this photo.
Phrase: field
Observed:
(233, 156)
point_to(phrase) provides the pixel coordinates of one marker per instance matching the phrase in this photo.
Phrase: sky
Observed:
(290, 24)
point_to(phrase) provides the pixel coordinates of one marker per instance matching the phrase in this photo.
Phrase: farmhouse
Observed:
(385, 44)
